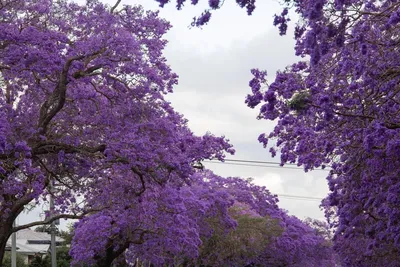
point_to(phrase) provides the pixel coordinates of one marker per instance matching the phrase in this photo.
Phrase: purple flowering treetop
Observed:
(162, 226)
(291, 242)
(210, 221)
(340, 108)
(82, 107)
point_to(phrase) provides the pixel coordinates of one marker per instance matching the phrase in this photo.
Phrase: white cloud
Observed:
(271, 180)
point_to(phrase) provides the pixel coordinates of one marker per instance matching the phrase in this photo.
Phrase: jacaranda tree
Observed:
(210, 221)
(340, 108)
(265, 235)
(82, 108)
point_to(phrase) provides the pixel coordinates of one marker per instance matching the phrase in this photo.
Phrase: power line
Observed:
(252, 165)
(290, 198)
(258, 161)
(258, 165)
(262, 162)
(300, 197)
(238, 162)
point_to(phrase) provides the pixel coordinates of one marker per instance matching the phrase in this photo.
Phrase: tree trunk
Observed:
(5, 233)
(105, 263)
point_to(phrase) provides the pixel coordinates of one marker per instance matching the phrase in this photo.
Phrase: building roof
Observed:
(31, 242)
(24, 247)
(29, 234)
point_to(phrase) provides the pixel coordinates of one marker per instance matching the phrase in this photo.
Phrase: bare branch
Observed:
(56, 217)
(48, 221)
(115, 6)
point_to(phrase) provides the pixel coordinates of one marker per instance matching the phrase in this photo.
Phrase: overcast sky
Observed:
(214, 67)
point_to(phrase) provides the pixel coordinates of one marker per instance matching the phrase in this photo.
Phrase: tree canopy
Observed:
(82, 107)
(339, 108)
(213, 221)
(83, 118)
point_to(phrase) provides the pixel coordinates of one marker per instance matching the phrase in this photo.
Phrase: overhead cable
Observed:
(236, 163)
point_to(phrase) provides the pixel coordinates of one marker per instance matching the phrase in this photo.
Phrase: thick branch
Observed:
(54, 147)
(56, 100)
(87, 72)
(139, 241)
(48, 221)
(392, 126)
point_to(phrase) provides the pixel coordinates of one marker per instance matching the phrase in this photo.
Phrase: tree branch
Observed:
(115, 6)
(87, 72)
(48, 221)
(54, 147)
(56, 100)
(138, 173)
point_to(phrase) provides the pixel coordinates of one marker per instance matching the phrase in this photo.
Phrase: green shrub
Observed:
(7, 260)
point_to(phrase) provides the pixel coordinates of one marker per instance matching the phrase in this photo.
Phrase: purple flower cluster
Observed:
(197, 225)
(341, 110)
(82, 106)
(205, 16)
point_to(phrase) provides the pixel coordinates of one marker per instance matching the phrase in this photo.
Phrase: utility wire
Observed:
(300, 197)
(257, 161)
(239, 162)
(290, 198)
(258, 165)
(261, 162)
(251, 165)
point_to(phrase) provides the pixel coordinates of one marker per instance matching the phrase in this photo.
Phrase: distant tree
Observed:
(40, 261)
(214, 221)
(43, 229)
(242, 245)
(7, 260)
(46, 228)
(321, 228)
(68, 234)
(63, 258)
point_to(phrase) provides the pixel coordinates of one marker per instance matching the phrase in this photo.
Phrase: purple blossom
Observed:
(214, 4)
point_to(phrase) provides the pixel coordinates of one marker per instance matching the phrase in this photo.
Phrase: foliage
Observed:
(350, 119)
(163, 223)
(46, 228)
(63, 259)
(67, 234)
(82, 107)
(205, 17)
(212, 221)
(7, 260)
(39, 261)
(321, 228)
(241, 246)
(351, 122)
(43, 229)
